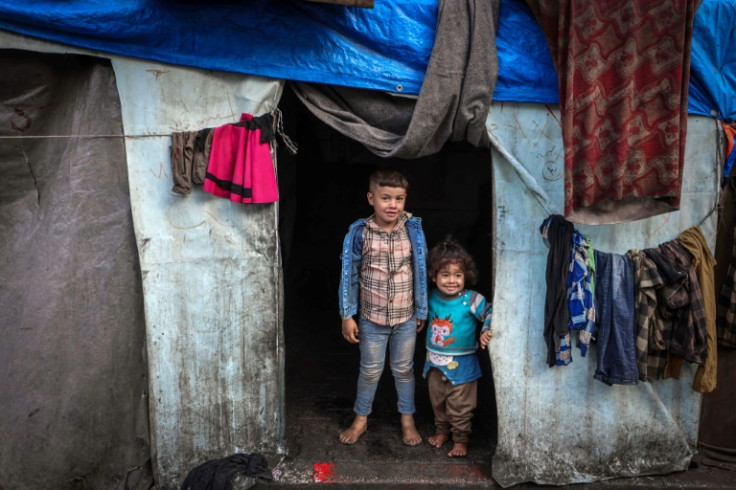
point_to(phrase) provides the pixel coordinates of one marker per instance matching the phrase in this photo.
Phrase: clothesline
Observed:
(52, 136)
(278, 127)
(652, 308)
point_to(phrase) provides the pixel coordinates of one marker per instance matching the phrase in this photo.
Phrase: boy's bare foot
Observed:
(459, 450)
(357, 429)
(409, 432)
(438, 439)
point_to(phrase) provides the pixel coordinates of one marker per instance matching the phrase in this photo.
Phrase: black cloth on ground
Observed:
(217, 474)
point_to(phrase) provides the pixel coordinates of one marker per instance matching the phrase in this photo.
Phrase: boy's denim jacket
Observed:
(352, 255)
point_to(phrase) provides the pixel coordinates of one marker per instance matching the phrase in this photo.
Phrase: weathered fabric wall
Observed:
(214, 361)
(559, 425)
(73, 406)
(211, 276)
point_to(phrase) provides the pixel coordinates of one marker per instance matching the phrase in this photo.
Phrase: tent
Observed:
(193, 316)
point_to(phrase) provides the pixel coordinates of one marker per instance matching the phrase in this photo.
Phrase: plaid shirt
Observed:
(580, 292)
(386, 277)
(689, 338)
(670, 297)
(647, 281)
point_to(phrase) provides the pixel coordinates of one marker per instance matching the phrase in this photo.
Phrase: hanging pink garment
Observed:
(623, 69)
(240, 166)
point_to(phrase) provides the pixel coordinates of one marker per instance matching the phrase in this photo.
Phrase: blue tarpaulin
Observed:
(384, 48)
(713, 70)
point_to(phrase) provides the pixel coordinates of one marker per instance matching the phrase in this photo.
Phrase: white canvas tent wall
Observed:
(211, 277)
(559, 425)
(210, 269)
(214, 338)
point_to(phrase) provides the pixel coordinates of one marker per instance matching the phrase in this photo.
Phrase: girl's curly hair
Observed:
(449, 251)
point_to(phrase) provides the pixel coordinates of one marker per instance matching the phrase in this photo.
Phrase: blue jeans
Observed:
(616, 318)
(400, 340)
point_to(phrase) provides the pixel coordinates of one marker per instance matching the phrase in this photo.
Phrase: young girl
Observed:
(452, 368)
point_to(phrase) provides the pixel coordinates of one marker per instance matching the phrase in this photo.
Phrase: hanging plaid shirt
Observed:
(587, 335)
(563, 354)
(580, 292)
(689, 336)
(647, 280)
(386, 277)
(670, 298)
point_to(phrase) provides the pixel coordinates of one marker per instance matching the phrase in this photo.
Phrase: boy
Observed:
(384, 280)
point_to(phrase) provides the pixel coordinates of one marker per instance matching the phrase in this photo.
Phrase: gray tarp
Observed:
(72, 355)
(453, 102)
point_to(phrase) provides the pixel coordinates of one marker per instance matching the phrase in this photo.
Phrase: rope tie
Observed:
(278, 125)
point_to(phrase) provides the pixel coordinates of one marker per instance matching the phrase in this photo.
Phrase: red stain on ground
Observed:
(322, 472)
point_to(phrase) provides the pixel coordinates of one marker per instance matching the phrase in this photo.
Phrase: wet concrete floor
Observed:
(321, 376)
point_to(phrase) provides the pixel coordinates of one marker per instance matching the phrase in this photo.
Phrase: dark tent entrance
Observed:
(323, 189)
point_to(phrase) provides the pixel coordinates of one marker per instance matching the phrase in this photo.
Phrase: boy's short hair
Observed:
(387, 177)
(449, 251)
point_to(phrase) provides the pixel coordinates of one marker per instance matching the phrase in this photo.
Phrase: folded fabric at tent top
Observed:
(623, 70)
(452, 105)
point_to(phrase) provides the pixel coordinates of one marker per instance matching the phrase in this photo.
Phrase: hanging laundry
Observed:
(670, 298)
(580, 293)
(578, 299)
(587, 335)
(240, 166)
(614, 293)
(704, 263)
(729, 130)
(646, 281)
(623, 68)
(689, 335)
(726, 320)
(557, 234)
(189, 151)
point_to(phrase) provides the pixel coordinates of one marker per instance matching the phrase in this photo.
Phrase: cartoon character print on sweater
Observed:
(441, 331)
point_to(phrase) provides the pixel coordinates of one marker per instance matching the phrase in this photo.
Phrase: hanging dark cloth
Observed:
(190, 153)
(453, 102)
(217, 474)
(556, 310)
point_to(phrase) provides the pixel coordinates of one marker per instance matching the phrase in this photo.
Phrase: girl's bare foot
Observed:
(409, 432)
(438, 439)
(357, 429)
(459, 450)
